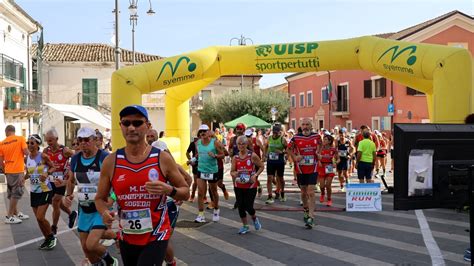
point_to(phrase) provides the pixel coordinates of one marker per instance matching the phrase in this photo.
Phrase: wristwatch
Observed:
(173, 192)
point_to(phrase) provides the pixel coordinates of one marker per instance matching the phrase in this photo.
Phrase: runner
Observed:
(239, 131)
(151, 136)
(366, 158)
(259, 149)
(244, 176)
(209, 150)
(275, 151)
(305, 150)
(327, 163)
(138, 174)
(59, 156)
(85, 169)
(191, 154)
(345, 150)
(220, 173)
(13, 150)
(38, 167)
(381, 154)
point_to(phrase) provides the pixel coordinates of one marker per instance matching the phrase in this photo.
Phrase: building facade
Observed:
(364, 98)
(18, 97)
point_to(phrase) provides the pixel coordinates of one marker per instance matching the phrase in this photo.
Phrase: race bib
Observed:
(34, 180)
(136, 222)
(273, 156)
(57, 175)
(343, 153)
(243, 178)
(329, 169)
(307, 160)
(86, 193)
(207, 176)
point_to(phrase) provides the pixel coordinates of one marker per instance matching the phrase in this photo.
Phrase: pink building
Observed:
(362, 97)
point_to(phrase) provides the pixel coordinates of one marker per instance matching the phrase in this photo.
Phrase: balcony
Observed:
(12, 72)
(341, 108)
(22, 103)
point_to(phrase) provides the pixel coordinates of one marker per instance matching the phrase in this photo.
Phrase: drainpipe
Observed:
(29, 64)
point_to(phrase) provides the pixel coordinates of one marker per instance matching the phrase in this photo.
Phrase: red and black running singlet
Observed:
(327, 156)
(245, 168)
(256, 148)
(143, 216)
(307, 147)
(59, 161)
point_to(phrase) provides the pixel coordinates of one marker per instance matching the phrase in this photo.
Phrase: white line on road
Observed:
(233, 250)
(31, 241)
(430, 242)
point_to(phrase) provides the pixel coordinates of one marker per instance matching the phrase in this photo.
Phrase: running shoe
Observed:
(329, 203)
(467, 251)
(317, 189)
(257, 224)
(72, 219)
(283, 199)
(243, 230)
(343, 189)
(306, 216)
(226, 195)
(22, 216)
(467, 257)
(200, 219)
(277, 195)
(259, 191)
(235, 206)
(191, 199)
(116, 262)
(309, 223)
(269, 201)
(321, 198)
(107, 242)
(171, 263)
(301, 203)
(54, 229)
(12, 220)
(49, 243)
(215, 215)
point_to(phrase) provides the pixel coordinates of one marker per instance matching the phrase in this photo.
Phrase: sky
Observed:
(181, 26)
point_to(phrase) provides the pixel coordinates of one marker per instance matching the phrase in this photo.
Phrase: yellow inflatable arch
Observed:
(443, 73)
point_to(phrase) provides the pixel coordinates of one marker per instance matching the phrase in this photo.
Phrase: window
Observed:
(411, 91)
(302, 99)
(293, 124)
(206, 95)
(375, 88)
(375, 123)
(89, 92)
(293, 101)
(324, 95)
(342, 97)
(310, 98)
(349, 125)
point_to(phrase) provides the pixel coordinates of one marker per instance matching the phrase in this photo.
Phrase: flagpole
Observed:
(329, 86)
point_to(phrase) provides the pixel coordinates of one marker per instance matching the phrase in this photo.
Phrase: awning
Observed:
(83, 114)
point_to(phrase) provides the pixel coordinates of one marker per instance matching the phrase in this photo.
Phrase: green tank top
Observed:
(275, 144)
(206, 164)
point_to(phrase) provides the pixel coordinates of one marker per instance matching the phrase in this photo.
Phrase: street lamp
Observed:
(133, 10)
(241, 41)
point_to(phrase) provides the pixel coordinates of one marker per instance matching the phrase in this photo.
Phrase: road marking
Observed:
(31, 241)
(372, 239)
(306, 245)
(430, 242)
(230, 249)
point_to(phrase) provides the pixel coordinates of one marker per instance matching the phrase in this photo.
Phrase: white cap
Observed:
(160, 145)
(85, 132)
(203, 127)
(248, 132)
(377, 132)
(291, 131)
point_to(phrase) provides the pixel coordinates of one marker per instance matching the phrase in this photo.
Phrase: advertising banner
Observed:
(363, 197)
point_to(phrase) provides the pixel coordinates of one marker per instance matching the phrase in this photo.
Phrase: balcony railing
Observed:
(11, 69)
(22, 100)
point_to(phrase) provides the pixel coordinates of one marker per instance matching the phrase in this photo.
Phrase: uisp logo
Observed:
(173, 68)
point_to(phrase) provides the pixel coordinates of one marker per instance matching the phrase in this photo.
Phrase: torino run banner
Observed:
(363, 197)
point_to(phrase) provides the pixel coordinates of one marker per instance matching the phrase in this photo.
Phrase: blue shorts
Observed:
(173, 212)
(89, 221)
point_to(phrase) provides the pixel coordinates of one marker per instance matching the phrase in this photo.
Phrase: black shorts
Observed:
(364, 170)
(151, 254)
(38, 199)
(342, 165)
(173, 212)
(214, 178)
(220, 174)
(307, 179)
(58, 190)
(195, 169)
(279, 168)
(391, 153)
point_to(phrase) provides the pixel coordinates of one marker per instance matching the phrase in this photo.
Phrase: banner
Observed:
(366, 197)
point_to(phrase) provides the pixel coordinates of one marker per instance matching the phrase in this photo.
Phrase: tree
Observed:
(233, 105)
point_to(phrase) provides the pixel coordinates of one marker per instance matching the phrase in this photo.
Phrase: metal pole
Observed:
(133, 43)
(117, 48)
(329, 85)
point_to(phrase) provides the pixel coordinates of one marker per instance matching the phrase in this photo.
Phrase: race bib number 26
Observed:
(136, 221)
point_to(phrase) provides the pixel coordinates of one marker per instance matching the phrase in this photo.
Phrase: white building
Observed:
(18, 98)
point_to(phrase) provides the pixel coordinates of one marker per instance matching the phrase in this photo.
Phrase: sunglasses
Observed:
(79, 140)
(135, 123)
(31, 143)
(75, 144)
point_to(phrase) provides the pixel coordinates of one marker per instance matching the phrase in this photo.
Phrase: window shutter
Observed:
(368, 88)
(383, 87)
